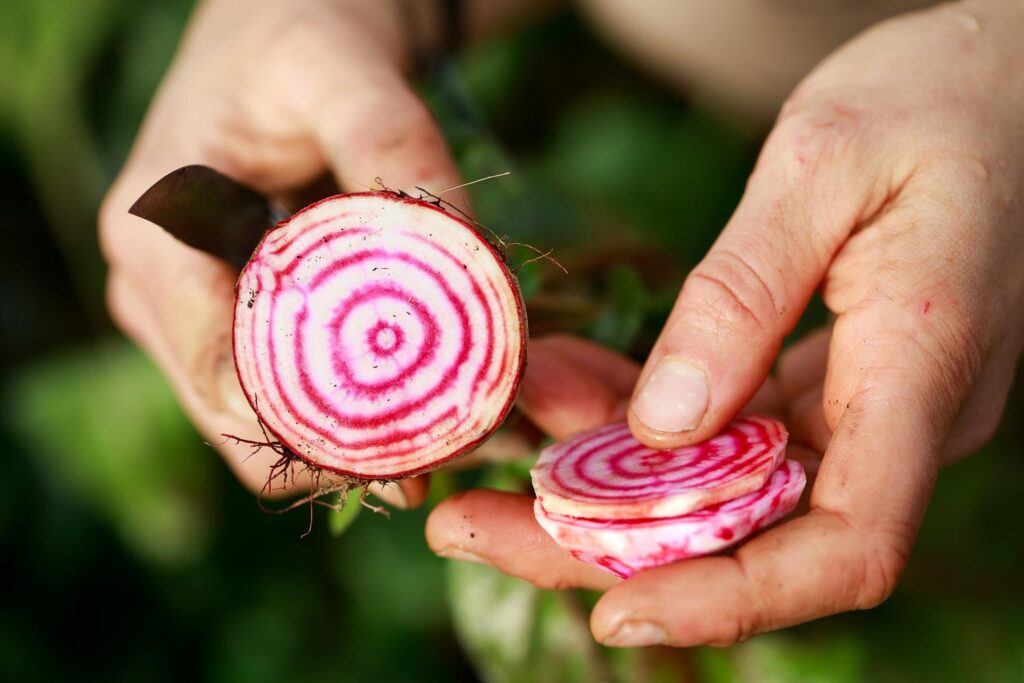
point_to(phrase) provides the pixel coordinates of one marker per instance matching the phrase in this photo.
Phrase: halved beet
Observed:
(378, 336)
(626, 546)
(607, 474)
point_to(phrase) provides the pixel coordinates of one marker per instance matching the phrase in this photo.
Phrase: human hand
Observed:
(893, 180)
(277, 95)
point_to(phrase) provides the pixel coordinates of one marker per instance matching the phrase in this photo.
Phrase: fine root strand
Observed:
(379, 509)
(541, 256)
(287, 467)
(474, 182)
(502, 244)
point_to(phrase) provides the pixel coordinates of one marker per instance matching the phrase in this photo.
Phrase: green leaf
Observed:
(341, 519)
(621, 319)
(516, 633)
(785, 658)
(529, 280)
(112, 434)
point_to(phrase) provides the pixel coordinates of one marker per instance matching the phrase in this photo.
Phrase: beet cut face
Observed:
(626, 546)
(378, 336)
(620, 493)
(607, 474)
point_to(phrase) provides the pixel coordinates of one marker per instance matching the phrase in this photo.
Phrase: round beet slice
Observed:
(378, 336)
(626, 546)
(607, 474)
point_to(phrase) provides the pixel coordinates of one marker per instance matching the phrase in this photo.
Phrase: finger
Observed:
(801, 373)
(806, 420)
(811, 461)
(517, 439)
(801, 367)
(846, 553)
(216, 406)
(379, 128)
(562, 397)
(810, 188)
(405, 494)
(499, 529)
(896, 406)
(614, 369)
(767, 401)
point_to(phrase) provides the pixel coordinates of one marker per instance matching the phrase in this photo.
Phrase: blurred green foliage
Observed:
(106, 429)
(132, 553)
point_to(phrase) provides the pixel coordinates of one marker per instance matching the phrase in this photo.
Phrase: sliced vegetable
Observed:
(607, 474)
(626, 546)
(378, 336)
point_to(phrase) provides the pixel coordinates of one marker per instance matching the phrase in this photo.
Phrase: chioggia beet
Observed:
(615, 503)
(378, 336)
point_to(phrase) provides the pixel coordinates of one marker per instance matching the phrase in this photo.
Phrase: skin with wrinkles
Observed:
(294, 99)
(891, 183)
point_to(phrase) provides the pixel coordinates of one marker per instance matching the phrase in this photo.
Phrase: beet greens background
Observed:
(132, 554)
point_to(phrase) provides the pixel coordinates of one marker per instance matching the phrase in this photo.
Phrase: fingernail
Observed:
(454, 553)
(637, 634)
(674, 398)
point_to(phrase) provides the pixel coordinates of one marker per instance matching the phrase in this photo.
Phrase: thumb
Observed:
(812, 184)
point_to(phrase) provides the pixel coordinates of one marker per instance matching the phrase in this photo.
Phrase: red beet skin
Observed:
(615, 503)
(378, 336)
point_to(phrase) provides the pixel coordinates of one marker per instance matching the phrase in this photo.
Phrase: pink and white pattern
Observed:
(378, 336)
(626, 546)
(607, 474)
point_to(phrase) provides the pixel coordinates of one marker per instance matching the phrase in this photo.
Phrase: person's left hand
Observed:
(572, 385)
(894, 180)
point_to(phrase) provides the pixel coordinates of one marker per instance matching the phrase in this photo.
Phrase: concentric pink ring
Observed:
(626, 546)
(311, 304)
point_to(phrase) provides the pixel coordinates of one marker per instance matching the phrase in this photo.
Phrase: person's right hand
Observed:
(276, 95)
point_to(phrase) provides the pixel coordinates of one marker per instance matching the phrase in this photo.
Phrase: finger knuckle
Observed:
(302, 30)
(954, 353)
(882, 565)
(733, 292)
(810, 133)
(751, 617)
(742, 627)
(409, 125)
(384, 118)
(932, 353)
(960, 345)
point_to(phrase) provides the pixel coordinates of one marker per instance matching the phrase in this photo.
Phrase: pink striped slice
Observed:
(378, 336)
(627, 546)
(607, 474)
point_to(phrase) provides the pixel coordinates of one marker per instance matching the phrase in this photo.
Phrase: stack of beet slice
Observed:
(617, 504)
